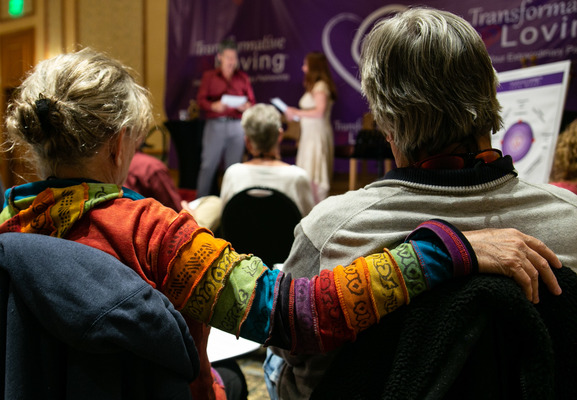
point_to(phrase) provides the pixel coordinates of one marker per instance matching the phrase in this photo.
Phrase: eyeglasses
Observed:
(458, 161)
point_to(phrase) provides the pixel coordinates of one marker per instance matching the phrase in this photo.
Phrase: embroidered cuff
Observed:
(456, 245)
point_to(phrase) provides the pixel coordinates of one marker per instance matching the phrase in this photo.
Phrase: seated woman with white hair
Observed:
(263, 135)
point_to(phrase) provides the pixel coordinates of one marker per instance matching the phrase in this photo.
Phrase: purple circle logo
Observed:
(518, 140)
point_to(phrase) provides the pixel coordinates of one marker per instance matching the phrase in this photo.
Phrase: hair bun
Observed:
(43, 113)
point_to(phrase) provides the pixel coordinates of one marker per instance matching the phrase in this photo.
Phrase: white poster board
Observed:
(532, 100)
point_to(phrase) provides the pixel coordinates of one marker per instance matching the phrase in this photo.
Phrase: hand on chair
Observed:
(522, 257)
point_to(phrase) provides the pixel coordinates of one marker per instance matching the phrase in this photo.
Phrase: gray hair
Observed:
(262, 125)
(429, 81)
(72, 104)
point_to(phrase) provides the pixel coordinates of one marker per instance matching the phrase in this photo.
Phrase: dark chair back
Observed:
(76, 323)
(261, 221)
(472, 338)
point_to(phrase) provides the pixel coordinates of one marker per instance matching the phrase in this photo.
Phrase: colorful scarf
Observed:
(53, 207)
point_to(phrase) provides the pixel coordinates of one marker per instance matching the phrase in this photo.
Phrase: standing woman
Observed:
(316, 149)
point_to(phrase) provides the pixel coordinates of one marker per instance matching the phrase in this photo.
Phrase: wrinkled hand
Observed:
(516, 255)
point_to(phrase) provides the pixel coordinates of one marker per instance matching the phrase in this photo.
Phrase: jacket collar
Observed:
(479, 174)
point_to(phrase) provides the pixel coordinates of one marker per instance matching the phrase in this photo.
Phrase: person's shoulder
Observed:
(241, 73)
(232, 172)
(548, 187)
(148, 204)
(235, 168)
(566, 185)
(560, 191)
(137, 215)
(295, 176)
(320, 86)
(298, 172)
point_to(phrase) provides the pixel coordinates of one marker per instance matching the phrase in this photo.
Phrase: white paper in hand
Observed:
(281, 105)
(278, 103)
(233, 101)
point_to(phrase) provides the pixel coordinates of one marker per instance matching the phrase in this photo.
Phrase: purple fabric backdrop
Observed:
(275, 35)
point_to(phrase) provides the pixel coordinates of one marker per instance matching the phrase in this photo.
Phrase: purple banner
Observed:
(274, 36)
(519, 84)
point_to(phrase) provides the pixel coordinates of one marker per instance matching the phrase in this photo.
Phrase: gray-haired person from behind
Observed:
(263, 135)
(431, 87)
(262, 126)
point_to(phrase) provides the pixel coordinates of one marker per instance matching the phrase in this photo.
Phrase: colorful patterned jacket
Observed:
(209, 282)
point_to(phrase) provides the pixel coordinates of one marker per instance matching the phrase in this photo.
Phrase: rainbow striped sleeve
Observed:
(239, 294)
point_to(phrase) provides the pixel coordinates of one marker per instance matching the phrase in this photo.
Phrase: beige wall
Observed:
(133, 31)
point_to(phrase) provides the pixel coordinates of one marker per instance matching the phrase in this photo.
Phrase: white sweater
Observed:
(364, 221)
(290, 180)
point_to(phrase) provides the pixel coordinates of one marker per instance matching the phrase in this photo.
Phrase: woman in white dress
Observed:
(316, 149)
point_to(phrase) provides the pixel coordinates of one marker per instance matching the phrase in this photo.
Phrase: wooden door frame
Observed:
(16, 58)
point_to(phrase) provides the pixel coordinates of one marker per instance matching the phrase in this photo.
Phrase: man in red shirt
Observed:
(223, 134)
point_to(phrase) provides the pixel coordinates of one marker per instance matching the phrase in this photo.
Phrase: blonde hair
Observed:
(72, 104)
(565, 159)
(429, 81)
(262, 125)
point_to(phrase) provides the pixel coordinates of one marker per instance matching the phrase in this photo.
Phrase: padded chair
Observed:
(472, 338)
(75, 323)
(261, 221)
